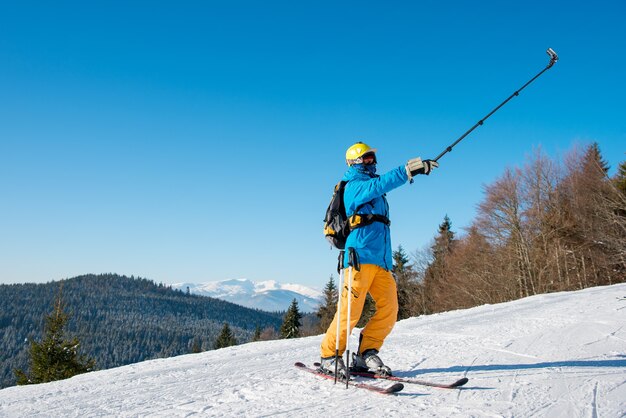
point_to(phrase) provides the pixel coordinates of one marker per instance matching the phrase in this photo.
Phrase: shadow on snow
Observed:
(529, 366)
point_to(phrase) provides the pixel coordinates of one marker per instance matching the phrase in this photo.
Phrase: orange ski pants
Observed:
(380, 284)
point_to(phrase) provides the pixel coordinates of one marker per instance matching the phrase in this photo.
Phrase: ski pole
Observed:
(340, 287)
(353, 263)
(553, 58)
(348, 326)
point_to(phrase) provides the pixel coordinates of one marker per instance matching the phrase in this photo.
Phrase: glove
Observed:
(417, 166)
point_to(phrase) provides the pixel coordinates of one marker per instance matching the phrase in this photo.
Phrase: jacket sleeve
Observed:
(362, 191)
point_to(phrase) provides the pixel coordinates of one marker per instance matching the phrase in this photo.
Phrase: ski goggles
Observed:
(369, 158)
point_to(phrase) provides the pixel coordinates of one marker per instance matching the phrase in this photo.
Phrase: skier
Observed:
(365, 194)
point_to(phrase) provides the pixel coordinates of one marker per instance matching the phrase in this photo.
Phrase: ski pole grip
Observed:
(353, 259)
(340, 261)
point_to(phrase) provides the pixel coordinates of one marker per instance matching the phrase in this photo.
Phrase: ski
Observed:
(396, 387)
(414, 381)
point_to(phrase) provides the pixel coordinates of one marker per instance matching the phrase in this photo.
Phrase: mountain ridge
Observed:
(268, 295)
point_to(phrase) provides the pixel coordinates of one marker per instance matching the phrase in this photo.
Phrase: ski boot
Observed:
(369, 361)
(327, 365)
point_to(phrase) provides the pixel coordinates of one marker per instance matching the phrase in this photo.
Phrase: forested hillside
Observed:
(548, 226)
(119, 320)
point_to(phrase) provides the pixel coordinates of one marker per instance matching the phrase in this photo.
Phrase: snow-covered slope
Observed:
(556, 355)
(269, 295)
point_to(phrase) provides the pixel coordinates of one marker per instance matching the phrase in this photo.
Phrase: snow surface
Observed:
(268, 295)
(555, 355)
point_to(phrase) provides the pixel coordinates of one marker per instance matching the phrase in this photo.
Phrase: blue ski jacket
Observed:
(372, 242)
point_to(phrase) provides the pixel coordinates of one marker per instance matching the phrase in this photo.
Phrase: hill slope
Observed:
(119, 320)
(561, 354)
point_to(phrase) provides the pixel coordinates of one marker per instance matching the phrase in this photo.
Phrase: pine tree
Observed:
(406, 283)
(435, 275)
(257, 333)
(226, 338)
(55, 357)
(446, 236)
(441, 249)
(291, 324)
(328, 308)
(593, 157)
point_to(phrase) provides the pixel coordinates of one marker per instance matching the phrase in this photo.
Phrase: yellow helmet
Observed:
(354, 154)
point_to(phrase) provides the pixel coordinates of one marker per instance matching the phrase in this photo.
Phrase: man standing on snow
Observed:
(365, 194)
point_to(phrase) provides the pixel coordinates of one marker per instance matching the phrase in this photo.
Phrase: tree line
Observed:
(545, 227)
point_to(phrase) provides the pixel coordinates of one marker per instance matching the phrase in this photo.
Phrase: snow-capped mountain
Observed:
(267, 295)
(554, 355)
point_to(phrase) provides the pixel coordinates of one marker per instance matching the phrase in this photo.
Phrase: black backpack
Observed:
(337, 225)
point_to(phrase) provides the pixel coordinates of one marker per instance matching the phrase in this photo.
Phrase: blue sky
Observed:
(197, 141)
